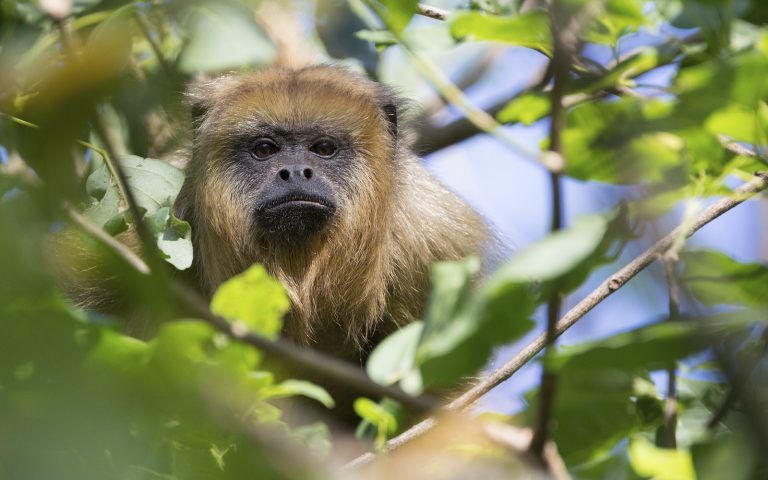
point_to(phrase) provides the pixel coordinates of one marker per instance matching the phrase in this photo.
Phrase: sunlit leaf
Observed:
(526, 109)
(717, 279)
(398, 13)
(660, 463)
(223, 37)
(254, 298)
(291, 387)
(526, 30)
(392, 360)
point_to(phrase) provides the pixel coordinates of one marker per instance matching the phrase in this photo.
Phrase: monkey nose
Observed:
(295, 173)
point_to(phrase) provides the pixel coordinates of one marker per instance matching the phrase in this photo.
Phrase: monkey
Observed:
(309, 172)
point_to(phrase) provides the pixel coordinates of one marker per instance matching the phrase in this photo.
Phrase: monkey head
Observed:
(283, 161)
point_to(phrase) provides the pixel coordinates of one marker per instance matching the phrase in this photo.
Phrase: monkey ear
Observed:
(203, 94)
(390, 111)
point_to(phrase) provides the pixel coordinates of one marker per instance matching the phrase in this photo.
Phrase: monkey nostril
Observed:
(284, 174)
(307, 173)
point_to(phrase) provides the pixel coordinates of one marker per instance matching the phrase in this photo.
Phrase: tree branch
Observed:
(669, 439)
(757, 184)
(561, 69)
(432, 12)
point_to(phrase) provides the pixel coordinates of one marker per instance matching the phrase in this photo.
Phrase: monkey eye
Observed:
(264, 149)
(323, 148)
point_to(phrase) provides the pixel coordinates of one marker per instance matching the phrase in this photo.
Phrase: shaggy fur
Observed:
(367, 272)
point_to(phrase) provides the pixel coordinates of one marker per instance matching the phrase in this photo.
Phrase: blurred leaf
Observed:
(316, 437)
(716, 279)
(560, 254)
(254, 298)
(291, 387)
(619, 142)
(526, 30)
(732, 83)
(223, 37)
(461, 327)
(618, 18)
(738, 123)
(107, 206)
(726, 456)
(526, 109)
(653, 347)
(154, 183)
(377, 415)
(174, 237)
(397, 13)
(659, 463)
(392, 360)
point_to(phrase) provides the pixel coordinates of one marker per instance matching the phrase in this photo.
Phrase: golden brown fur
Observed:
(368, 271)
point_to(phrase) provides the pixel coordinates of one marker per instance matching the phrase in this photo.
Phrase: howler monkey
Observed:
(309, 172)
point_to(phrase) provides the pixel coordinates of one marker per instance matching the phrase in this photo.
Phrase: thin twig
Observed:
(669, 439)
(561, 68)
(123, 252)
(757, 184)
(148, 244)
(141, 22)
(432, 12)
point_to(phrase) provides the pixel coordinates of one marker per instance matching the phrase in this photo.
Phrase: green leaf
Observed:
(316, 437)
(559, 253)
(660, 463)
(597, 382)
(593, 411)
(618, 18)
(154, 183)
(462, 327)
(617, 142)
(378, 415)
(653, 347)
(526, 30)
(392, 360)
(223, 37)
(726, 456)
(737, 122)
(526, 109)
(430, 38)
(397, 13)
(108, 205)
(254, 298)
(174, 237)
(291, 387)
(716, 279)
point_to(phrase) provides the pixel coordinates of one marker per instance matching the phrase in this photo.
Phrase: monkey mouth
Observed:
(294, 216)
(298, 199)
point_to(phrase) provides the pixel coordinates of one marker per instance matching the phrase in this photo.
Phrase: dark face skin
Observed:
(293, 178)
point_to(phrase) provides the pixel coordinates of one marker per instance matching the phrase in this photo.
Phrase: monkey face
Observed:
(291, 176)
(287, 156)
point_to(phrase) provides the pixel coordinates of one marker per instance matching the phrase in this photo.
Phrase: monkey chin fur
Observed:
(361, 269)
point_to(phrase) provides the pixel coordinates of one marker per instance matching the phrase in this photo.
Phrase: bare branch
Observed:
(432, 12)
(561, 69)
(669, 439)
